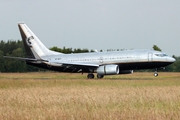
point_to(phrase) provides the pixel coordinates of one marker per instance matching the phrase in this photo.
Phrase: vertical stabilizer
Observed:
(33, 46)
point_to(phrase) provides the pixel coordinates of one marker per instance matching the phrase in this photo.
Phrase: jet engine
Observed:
(108, 70)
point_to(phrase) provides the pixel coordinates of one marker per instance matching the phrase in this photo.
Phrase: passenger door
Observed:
(150, 57)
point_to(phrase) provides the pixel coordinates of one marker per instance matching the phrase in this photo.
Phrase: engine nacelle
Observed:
(108, 70)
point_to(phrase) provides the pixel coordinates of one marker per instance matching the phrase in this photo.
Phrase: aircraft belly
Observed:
(142, 65)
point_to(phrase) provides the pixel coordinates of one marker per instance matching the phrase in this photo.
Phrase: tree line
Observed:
(16, 48)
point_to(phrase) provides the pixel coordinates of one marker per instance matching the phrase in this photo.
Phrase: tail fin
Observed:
(33, 46)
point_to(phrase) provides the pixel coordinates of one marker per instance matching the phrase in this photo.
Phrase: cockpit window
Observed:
(161, 55)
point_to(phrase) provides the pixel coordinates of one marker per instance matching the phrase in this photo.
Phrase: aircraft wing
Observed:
(67, 64)
(23, 59)
(55, 63)
(80, 64)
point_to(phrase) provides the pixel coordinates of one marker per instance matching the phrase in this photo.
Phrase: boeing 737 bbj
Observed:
(103, 63)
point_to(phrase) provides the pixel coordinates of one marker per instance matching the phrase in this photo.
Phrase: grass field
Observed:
(59, 96)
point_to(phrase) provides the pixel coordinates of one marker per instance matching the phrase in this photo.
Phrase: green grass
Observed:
(48, 96)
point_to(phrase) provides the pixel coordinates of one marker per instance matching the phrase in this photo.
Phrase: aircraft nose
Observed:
(170, 59)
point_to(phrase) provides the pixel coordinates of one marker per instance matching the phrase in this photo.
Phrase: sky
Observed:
(96, 24)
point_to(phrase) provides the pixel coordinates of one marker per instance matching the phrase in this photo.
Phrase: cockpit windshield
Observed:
(161, 55)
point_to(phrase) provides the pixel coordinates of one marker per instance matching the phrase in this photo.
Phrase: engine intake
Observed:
(108, 70)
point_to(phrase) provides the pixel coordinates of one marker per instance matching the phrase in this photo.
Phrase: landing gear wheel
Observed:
(100, 76)
(90, 76)
(155, 74)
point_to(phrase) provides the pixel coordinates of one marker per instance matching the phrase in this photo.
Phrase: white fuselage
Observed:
(104, 58)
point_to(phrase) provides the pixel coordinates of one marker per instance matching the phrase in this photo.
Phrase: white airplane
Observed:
(103, 63)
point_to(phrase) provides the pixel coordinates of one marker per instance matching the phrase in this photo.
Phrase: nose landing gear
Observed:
(156, 73)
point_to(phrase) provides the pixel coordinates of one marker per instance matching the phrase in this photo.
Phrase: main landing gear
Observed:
(91, 76)
(100, 76)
